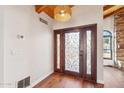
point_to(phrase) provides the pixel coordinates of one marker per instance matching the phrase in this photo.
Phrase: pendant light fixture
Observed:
(62, 13)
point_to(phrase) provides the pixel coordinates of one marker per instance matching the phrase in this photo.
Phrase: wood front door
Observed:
(76, 51)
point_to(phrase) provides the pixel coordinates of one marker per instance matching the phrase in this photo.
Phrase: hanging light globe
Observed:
(62, 13)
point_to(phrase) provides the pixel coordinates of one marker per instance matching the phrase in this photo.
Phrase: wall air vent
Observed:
(24, 82)
(43, 21)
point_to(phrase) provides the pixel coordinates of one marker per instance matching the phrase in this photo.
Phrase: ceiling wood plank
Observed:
(48, 9)
(40, 8)
(114, 12)
(110, 11)
(107, 7)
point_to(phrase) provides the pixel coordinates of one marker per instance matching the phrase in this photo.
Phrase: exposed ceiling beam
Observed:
(111, 10)
(40, 8)
(49, 9)
(107, 7)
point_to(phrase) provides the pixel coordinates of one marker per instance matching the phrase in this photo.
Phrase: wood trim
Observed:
(84, 67)
(76, 27)
(94, 53)
(55, 52)
(62, 52)
(93, 76)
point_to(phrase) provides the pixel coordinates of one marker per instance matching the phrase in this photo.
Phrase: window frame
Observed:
(110, 36)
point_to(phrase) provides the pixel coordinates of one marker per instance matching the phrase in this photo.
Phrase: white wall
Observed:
(84, 15)
(32, 55)
(108, 24)
(1, 47)
(41, 48)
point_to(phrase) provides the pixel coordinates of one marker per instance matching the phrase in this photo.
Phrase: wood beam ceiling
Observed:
(109, 10)
(48, 9)
(107, 7)
(40, 8)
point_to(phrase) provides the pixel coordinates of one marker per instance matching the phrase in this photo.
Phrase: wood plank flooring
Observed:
(59, 80)
(113, 78)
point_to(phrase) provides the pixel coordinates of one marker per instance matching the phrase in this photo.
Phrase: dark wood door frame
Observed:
(82, 29)
(93, 76)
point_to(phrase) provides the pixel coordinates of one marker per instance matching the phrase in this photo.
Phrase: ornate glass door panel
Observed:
(72, 51)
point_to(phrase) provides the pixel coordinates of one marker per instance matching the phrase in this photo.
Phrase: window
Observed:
(107, 44)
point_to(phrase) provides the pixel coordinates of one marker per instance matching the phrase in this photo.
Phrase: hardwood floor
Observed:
(59, 80)
(113, 78)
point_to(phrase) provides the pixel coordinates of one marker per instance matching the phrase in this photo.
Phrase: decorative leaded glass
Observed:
(88, 52)
(58, 51)
(72, 51)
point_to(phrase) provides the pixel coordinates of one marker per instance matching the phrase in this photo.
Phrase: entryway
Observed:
(76, 51)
